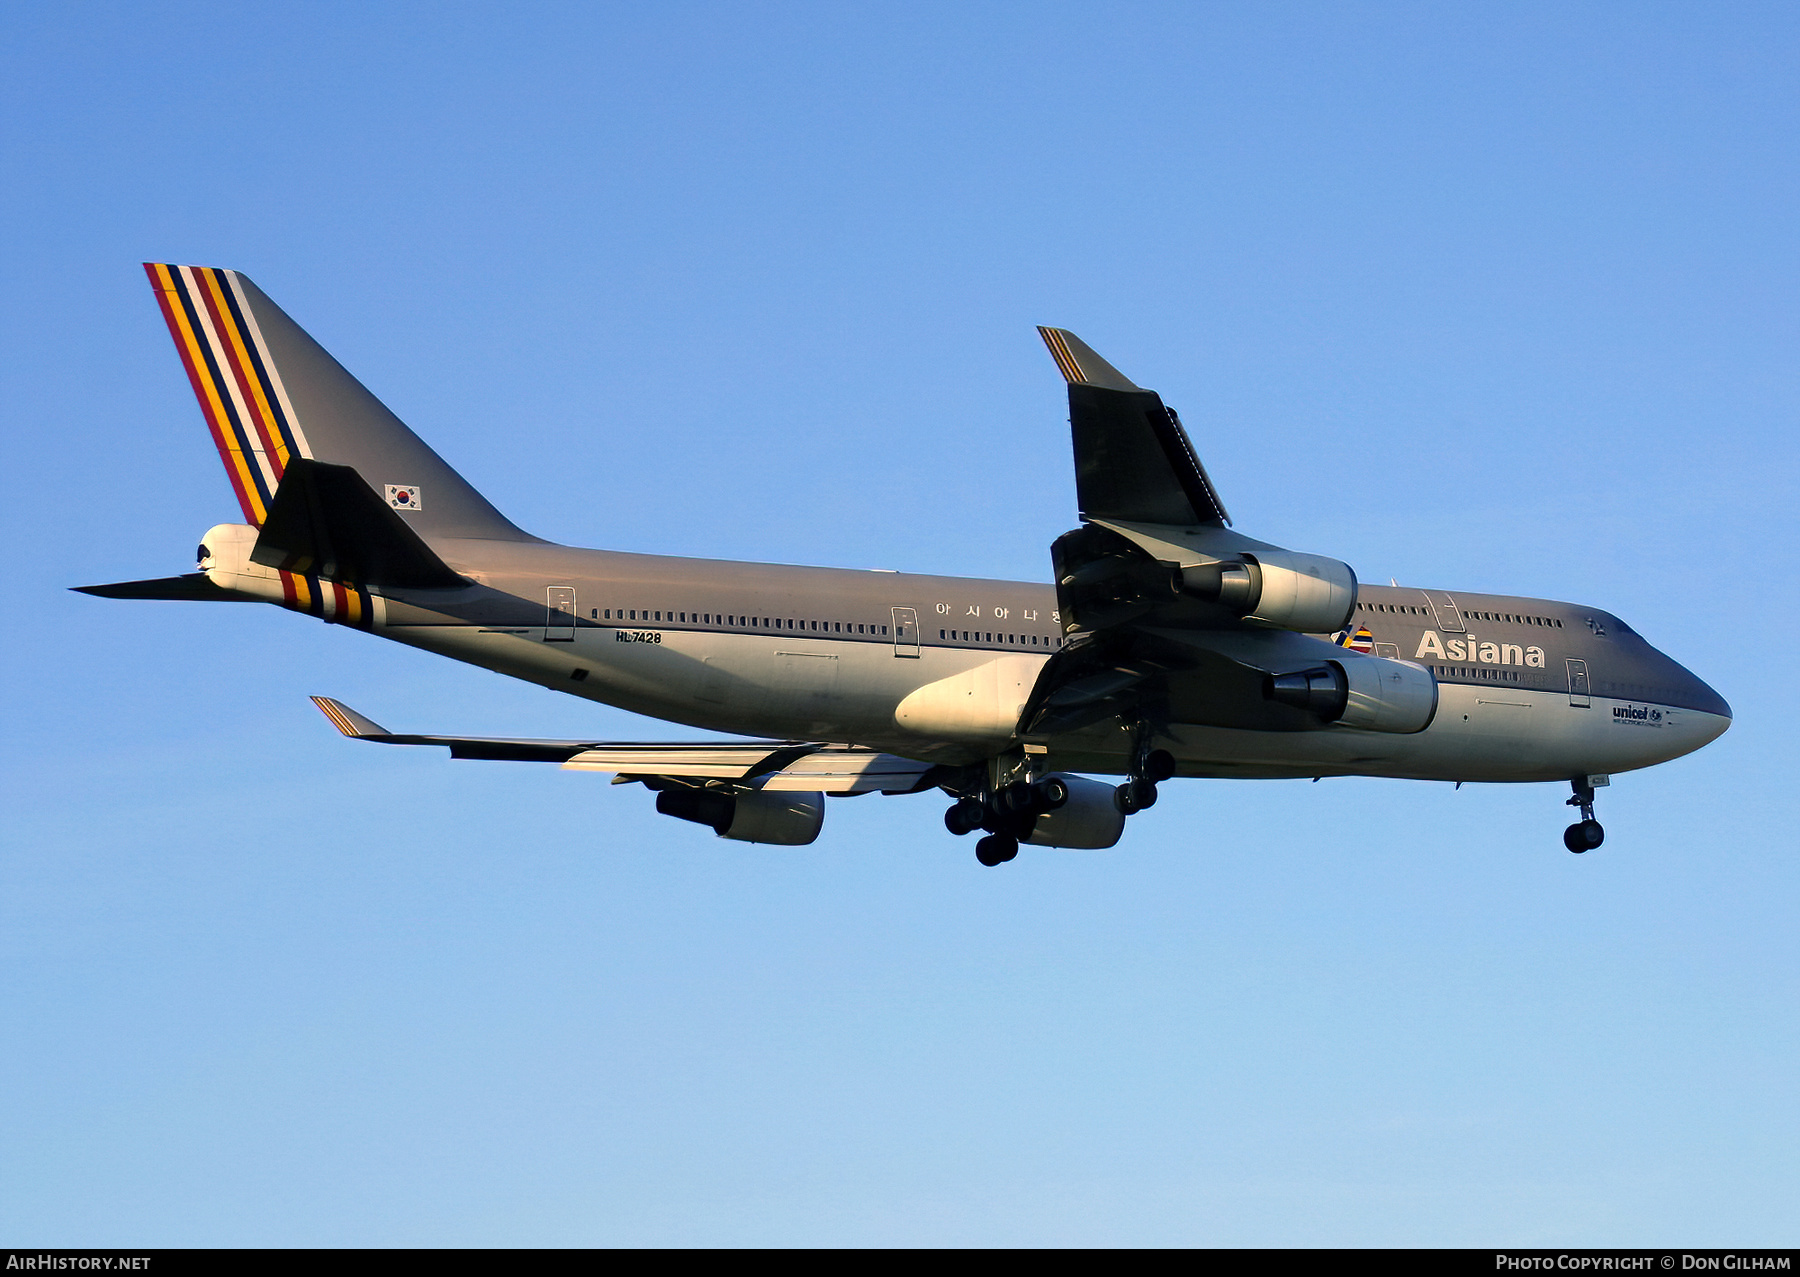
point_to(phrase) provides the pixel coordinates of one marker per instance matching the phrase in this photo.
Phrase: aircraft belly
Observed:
(1479, 734)
(750, 684)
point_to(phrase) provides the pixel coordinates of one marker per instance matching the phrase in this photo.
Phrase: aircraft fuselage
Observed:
(1529, 689)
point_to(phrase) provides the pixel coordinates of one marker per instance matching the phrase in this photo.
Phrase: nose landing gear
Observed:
(1585, 834)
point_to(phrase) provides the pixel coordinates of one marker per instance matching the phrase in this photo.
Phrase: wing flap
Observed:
(790, 766)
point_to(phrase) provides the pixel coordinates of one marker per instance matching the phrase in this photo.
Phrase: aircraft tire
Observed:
(1143, 794)
(1124, 801)
(1583, 835)
(1159, 764)
(964, 817)
(996, 849)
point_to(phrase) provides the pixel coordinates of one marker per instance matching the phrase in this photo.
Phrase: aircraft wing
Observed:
(1133, 460)
(1140, 641)
(805, 766)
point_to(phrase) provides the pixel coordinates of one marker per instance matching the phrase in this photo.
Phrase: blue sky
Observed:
(1499, 299)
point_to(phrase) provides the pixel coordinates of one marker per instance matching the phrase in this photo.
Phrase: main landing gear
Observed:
(1586, 833)
(1007, 814)
(1140, 791)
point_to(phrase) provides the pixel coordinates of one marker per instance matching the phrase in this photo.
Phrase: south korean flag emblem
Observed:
(405, 496)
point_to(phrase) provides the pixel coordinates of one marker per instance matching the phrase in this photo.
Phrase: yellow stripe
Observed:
(249, 367)
(221, 418)
(335, 715)
(302, 595)
(1059, 351)
(352, 605)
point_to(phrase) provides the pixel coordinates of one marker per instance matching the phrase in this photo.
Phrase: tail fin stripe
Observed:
(240, 393)
(175, 313)
(272, 395)
(224, 386)
(216, 400)
(252, 406)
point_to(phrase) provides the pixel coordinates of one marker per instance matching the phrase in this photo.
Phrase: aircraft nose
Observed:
(1704, 698)
(1692, 693)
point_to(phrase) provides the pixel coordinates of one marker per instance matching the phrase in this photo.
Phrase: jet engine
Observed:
(1369, 692)
(782, 818)
(1279, 588)
(1088, 819)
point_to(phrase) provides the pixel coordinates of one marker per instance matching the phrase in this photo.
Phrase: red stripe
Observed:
(187, 362)
(289, 596)
(222, 325)
(337, 598)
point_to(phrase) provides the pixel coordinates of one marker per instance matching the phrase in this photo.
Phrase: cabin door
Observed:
(906, 632)
(1578, 684)
(1449, 617)
(559, 614)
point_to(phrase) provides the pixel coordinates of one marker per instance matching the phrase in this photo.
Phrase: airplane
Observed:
(1167, 645)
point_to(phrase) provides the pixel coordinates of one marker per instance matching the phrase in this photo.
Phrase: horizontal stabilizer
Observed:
(771, 765)
(194, 587)
(325, 520)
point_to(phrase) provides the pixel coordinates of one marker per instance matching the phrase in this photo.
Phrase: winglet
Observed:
(347, 720)
(1079, 363)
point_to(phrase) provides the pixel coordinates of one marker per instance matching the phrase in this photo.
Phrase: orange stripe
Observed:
(1065, 360)
(239, 360)
(335, 715)
(215, 410)
(167, 299)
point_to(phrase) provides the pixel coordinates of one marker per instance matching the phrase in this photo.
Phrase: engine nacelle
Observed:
(781, 818)
(1372, 693)
(1388, 696)
(1282, 589)
(1088, 821)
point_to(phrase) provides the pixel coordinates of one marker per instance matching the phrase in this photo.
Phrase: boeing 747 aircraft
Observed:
(1167, 645)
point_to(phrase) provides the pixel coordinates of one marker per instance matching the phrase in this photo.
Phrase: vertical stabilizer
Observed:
(271, 395)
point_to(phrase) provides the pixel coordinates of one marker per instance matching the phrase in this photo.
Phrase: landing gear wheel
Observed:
(1123, 800)
(1159, 764)
(1143, 793)
(996, 849)
(1584, 835)
(1053, 792)
(964, 816)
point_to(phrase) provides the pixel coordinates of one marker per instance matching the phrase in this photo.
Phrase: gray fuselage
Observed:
(1529, 690)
